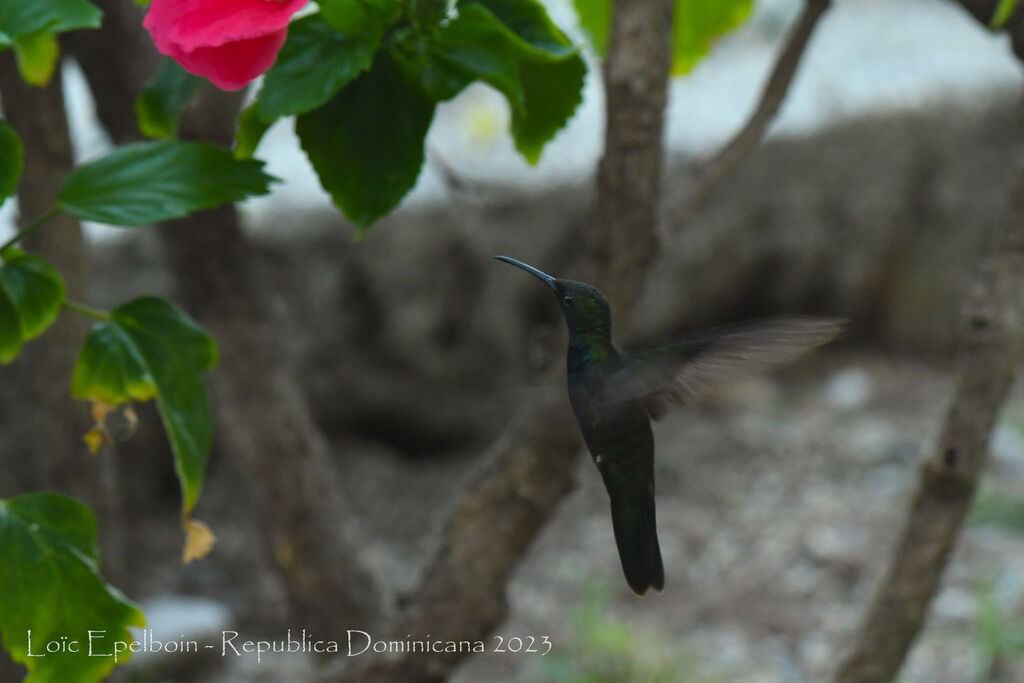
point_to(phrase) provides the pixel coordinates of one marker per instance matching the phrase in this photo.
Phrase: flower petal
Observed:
(231, 66)
(193, 24)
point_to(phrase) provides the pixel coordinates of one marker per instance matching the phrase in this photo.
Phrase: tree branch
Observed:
(497, 515)
(989, 356)
(711, 172)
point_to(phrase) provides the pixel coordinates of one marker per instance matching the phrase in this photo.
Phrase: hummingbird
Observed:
(615, 394)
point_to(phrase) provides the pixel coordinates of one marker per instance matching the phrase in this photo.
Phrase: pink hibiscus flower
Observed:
(230, 42)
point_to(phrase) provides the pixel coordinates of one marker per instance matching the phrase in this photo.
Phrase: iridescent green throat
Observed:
(590, 339)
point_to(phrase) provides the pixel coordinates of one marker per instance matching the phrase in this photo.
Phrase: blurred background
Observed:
(409, 349)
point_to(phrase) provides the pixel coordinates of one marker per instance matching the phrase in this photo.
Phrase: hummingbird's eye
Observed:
(567, 298)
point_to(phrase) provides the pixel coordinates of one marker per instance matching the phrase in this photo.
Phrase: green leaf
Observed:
(156, 181)
(31, 296)
(551, 92)
(20, 17)
(37, 55)
(250, 130)
(698, 23)
(12, 160)
(110, 369)
(1004, 10)
(529, 20)
(595, 18)
(474, 46)
(429, 13)
(165, 96)
(51, 586)
(147, 348)
(366, 144)
(513, 46)
(10, 332)
(315, 63)
(354, 17)
(528, 60)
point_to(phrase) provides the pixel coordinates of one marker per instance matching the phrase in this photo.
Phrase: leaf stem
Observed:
(31, 227)
(84, 309)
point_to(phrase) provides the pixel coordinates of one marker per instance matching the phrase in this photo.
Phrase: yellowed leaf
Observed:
(199, 540)
(37, 54)
(100, 410)
(94, 439)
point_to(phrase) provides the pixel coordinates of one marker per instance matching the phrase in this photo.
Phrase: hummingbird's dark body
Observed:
(619, 438)
(615, 394)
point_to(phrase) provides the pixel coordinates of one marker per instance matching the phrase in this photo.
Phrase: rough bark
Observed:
(989, 357)
(623, 242)
(51, 422)
(530, 469)
(54, 424)
(264, 424)
(117, 59)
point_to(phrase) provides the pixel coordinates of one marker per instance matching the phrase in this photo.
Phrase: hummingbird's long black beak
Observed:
(529, 269)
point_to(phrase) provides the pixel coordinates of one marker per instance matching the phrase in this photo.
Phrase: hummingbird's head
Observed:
(586, 310)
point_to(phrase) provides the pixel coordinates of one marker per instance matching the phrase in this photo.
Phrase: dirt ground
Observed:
(778, 502)
(778, 499)
(777, 506)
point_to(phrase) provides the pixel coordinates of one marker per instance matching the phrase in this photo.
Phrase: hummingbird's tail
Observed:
(636, 536)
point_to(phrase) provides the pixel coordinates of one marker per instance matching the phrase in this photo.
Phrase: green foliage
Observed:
(165, 96)
(595, 18)
(21, 17)
(696, 24)
(50, 583)
(249, 130)
(513, 46)
(12, 160)
(31, 27)
(364, 76)
(353, 17)
(607, 650)
(998, 510)
(997, 638)
(37, 54)
(366, 144)
(315, 63)
(31, 296)
(156, 181)
(549, 103)
(145, 349)
(1004, 10)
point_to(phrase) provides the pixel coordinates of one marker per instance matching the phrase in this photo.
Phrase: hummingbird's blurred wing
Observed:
(683, 370)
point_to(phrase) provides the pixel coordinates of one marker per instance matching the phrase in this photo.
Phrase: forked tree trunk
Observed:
(530, 468)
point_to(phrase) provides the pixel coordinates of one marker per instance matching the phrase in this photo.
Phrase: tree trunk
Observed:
(500, 511)
(990, 354)
(53, 422)
(264, 424)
